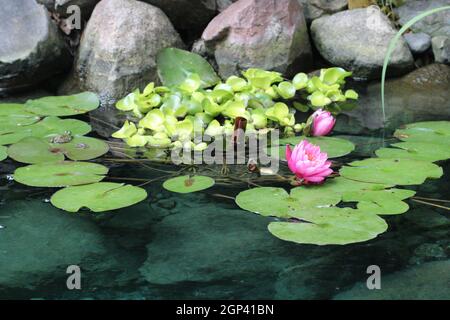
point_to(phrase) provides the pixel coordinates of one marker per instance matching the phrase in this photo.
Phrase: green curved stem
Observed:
(393, 43)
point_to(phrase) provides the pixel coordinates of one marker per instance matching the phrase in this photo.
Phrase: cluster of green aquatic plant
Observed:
(322, 214)
(33, 133)
(194, 101)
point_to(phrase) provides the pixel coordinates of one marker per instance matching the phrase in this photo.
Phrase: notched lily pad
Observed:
(61, 106)
(334, 147)
(188, 184)
(416, 150)
(60, 174)
(98, 197)
(437, 132)
(338, 226)
(35, 150)
(391, 171)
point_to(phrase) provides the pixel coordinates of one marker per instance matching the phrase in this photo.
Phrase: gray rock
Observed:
(437, 24)
(360, 49)
(117, 53)
(61, 7)
(441, 49)
(418, 42)
(422, 95)
(430, 281)
(189, 17)
(31, 48)
(261, 34)
(39, 242)
(315, 9)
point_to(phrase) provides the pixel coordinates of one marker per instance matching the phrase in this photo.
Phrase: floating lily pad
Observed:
(334, 147)
(188, 184)
(61, 106)
(35, 150)
(98, 197)
(327, 226)
(437, 132)
(417, 151)
(391, 171)
(267, 201)
(46, 128)
(176, 65)
(60, 174)
(3, 154)
(382, 202)
(12, 115)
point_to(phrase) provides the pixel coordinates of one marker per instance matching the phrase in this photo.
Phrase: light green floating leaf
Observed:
(188, 184)
(61, 106)
(382, 202)
(437, 132)
(327, 226)
(391, 171)
(334, 147)
(13, 114)
(60, 174)
(3, 153)
(46, 128)
(416, 150)
(98, 197)
(267, 201)
(35, 150)
(176, 65)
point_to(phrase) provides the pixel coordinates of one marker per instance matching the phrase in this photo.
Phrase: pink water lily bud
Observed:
(323, 123)
(308, 163)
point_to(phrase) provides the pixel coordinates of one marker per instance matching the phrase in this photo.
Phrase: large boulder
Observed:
(259, 34)
(189, 17)
(422, 95)
(437, 24)
(31, 47)
(117, 53)
(358, 40)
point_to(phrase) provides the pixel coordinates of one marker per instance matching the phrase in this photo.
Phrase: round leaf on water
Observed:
(46, 128)
(437, 132)
(35, 150)
(382, 202)
(266, 201)
(391, 171)
(98, 197)
(60, 174)
(416, 150)
(327, 226)
(3, 153)
(64, 105)
(333, 147)
(188, 184)
(176, 65)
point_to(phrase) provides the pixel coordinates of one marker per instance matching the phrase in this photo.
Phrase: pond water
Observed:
(201, 246)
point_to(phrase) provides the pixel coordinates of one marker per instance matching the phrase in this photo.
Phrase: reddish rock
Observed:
(269, 34)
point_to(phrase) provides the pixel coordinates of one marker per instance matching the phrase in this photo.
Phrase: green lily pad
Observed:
(176, 65)
(334, 147)
(437, 132)
(188, 184)
(391, 171)
(35, 150)
(46, 128)
(13, 114)
(60, 174)
(61, 106)
(3, 153)
(416, 150)
(327, 226)
(382, 202)
(98, 197)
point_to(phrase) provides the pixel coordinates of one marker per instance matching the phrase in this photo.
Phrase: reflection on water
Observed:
(200, 246)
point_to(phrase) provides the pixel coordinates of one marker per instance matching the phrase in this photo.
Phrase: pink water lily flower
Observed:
(308, 163)
(323, 123)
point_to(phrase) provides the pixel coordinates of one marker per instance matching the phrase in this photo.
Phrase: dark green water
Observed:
(200, 246)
